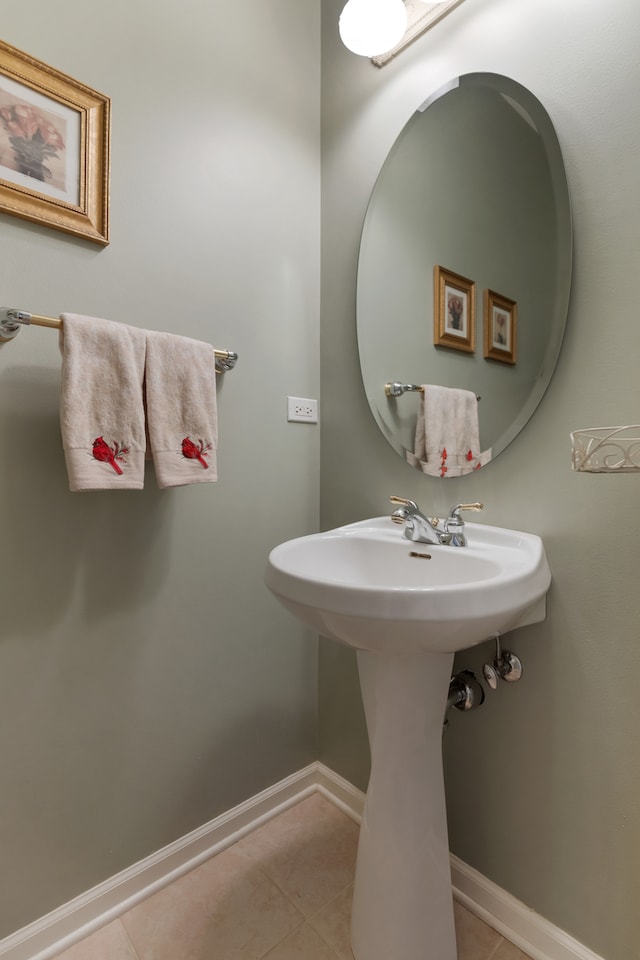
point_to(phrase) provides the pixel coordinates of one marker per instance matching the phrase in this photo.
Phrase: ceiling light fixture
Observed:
(372, 27)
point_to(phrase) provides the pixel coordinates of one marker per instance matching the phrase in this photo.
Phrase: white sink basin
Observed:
(356, 582)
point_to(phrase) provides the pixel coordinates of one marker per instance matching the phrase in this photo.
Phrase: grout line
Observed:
(127, 938)
(331, 900)
(265, 956)
(331, 947)
(305, 922)
(258, 864)
(319, 911)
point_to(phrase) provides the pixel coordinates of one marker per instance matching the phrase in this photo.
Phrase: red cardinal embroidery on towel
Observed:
(106, 454)
(469, 457)
(195, 451)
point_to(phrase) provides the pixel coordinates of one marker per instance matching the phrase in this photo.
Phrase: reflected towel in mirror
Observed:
(447, 439)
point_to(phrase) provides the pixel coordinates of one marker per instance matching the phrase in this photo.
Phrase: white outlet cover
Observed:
(302, 410)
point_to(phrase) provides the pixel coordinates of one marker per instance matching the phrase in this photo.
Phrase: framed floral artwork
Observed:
(454, 311)
(54, 148)
(500, 322)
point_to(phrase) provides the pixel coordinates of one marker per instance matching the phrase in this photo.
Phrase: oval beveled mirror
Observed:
(474, 185)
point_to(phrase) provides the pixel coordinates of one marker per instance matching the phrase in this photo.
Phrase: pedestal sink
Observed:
(407, 608)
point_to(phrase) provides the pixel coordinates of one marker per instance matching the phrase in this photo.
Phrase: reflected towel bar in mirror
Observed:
(12, 319)
(396, 389)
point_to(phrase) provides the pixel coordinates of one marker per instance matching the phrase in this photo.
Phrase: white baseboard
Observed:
(73, 921)
(342, 793)
(534, 935)
(78, 918)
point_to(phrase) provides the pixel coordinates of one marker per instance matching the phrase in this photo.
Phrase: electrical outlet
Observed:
(302, 410)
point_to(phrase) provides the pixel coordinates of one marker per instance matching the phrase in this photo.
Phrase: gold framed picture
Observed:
(454, 311)
(54, 148)
(500, 327)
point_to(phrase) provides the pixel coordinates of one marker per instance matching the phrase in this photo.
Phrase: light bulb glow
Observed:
(372, 27)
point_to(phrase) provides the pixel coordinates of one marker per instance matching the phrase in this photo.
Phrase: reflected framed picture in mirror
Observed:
(454, 311)
(500, 321)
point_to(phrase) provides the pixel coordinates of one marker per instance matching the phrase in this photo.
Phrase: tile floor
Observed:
(281, 893)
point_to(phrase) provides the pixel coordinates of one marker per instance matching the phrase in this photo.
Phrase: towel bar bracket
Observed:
(225, 360)
(396, 389)
(11, 320)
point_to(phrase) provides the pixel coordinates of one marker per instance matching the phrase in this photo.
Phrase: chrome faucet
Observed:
(419, 528)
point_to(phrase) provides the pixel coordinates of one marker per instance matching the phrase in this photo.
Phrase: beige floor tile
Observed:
(109, 943)
(333, 923)
(309, 851)
(226, 909)
(303, 944)
(476, 940)
(508, 951)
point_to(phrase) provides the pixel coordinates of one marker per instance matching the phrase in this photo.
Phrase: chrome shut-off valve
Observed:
(506, 666)
(465, 691)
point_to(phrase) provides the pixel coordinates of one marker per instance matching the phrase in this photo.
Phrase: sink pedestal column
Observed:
(402, 901)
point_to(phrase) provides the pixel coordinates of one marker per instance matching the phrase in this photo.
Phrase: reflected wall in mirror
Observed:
(475, 183)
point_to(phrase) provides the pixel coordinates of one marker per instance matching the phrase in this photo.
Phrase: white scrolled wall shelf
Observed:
(606, 449)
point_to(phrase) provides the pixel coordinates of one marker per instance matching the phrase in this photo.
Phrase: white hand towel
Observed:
(447, 441)
(181, 409)
(101, 408)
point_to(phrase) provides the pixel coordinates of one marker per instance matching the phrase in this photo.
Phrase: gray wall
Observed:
(148, 681)
(543, 781)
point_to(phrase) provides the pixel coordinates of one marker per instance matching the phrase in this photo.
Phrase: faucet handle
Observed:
(406, 508)
(454, 513)
(404, 502)
(454, 524)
